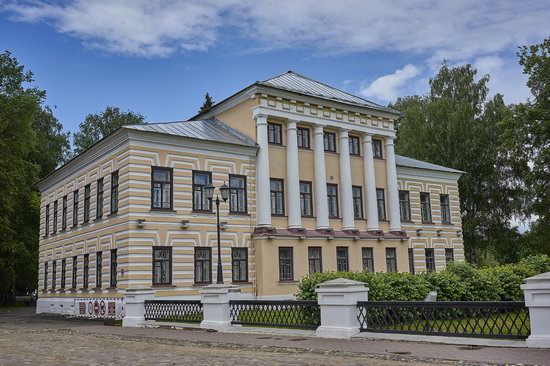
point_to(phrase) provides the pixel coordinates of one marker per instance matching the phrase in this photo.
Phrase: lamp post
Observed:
(224, 191)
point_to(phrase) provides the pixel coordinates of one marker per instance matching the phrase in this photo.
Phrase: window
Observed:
(306, 203)
(329, 140)
(45, 275)
(114, 192)
(201, 180)
(161, 187)
(354, 144)
(342, 260)
(381, 203)
(391, 260)
(54, 273)
(314, 259)
(86, 271)
(425, 207)
(377, 148)
(55, 213)
(445, 209)
(113, 279)
(74, 272)
(75, 208)
(411, 260)
(87, 190)
(162, 266)
(449, 255)
(239, 258)
(237, 194)
(405, 205)
(332, 196)
(274, 135)
(99, 199)
(286, 265)
(357, 193)
(203, 265)
(277, 197)
(368, 259)
(430, 260)
(63, 273)
(47, 223)
(98, 269)
(303, 138)
(64, 213)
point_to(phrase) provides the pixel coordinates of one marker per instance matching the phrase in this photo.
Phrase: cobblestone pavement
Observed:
(26, 339)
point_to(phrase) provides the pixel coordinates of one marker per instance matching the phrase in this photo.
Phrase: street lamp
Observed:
(224, 191)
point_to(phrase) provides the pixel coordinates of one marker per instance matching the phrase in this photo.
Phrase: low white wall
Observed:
(55, 305)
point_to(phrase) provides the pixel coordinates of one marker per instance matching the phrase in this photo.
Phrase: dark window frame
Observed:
(411, 260)
(64, 209)
(381, 204)
(272, 133)
(200, 188)
(304, 138)
(288, 262)
(391, 260)
(368, 262)
(162, 260)
(449, 255)
(45, 279)
(87, 202)
(47, 221)
(329, 142)
(113, 264)
(445, 203)
(114, 192)
(238, 191)
(357, 202)
(55, 214)
(162, 183)
(354, 145)
(197, 261)
(98, 269)
(333, 196)
(282, 196)
(426, 208)
(86, 271)
(99, 198)
(313, 261)
(342, 262)
(54, 274)
(63, 273)
(236, 264)
(377, 149)
(429, 254)
(303, 199)
(74, 273)
(75, 208)
(405, 206)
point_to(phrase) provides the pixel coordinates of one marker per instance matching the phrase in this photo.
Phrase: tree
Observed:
(207, 104)
(456, 126)
(98, 125)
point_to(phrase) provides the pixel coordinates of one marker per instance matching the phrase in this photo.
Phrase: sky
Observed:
(159, 57)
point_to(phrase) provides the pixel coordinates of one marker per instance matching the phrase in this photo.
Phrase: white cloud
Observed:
(388, 87)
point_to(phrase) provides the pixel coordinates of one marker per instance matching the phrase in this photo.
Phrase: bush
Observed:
(458, 282)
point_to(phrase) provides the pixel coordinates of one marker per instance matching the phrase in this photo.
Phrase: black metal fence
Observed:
(276, 313)
(499, 319)
(188, 311)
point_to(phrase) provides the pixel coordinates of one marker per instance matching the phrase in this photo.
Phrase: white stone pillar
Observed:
(293, 176)
(348, 217)
(537, 297)
(338, 301)
(370, 184)
(321, 200)
(393, 193)
(263, 201)
(215, 305)
(134, 306)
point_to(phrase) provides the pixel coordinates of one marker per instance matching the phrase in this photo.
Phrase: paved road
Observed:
(26, 339)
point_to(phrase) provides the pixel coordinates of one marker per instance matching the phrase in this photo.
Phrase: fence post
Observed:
(338, 301)
(215, 305)
(134, 303)
(537, 297)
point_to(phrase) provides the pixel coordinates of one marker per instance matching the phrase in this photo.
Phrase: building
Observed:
(315, 185)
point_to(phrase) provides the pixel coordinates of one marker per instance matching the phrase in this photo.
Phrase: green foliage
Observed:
(207, 104)
(98, 125)
(458, 282)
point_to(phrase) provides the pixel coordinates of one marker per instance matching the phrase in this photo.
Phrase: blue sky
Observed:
(158, 58)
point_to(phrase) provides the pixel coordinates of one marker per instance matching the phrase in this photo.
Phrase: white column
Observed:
(134, 302)
(537, 297)
(348, 219)
(215, 305)
(370, 184)
(293, 177)
(263, 201)
(321, 201)
(393, 194)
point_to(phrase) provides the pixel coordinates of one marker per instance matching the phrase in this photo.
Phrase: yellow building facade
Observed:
(314, 183)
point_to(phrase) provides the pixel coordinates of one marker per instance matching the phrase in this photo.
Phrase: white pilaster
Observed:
(537, 297)
(393, 194)
(293, 177)
(134, 302)
(370, 184)
(263, 201)
(348, 219)
(321, 200)
(215, 305)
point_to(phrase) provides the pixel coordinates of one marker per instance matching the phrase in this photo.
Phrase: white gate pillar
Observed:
(537, 298)
(215, 305)
(134, 304)
(338, 301)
